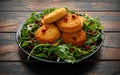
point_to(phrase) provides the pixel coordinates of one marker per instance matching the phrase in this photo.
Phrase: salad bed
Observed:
(58, 51)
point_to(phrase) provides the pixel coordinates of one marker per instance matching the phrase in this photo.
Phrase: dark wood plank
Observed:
(9, 49)
(105, 62)
(24, 5)
(84, 68)
(111, 39)
(9, 21)
(104, 16)
(65, 0)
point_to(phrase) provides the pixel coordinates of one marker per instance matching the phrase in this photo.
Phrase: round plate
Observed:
(18, 34)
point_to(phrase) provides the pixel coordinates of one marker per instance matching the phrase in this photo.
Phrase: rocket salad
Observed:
(59, 51)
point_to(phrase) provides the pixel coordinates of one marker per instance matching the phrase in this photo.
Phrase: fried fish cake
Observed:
(77, 38)
(54, 16)
(70, 23)
(47, 33)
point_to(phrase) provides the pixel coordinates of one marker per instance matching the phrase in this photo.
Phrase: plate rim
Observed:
(18, 32)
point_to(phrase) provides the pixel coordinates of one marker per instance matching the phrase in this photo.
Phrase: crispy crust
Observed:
(54, 16)
(78, 38)
(47, 33)
(71, 25)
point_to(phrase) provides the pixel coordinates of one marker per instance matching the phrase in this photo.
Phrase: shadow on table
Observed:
(39, 67)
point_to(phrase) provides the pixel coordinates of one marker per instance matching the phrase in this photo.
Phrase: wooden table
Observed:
(105, 62)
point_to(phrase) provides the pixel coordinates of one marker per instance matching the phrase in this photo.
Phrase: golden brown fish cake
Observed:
(47, 33)
(77, 38)
(70, 23)
(54, 16)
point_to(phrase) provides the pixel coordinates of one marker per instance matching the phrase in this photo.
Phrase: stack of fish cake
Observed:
(71, 27)
(68, 27)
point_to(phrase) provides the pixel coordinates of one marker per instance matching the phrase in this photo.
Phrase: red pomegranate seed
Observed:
(54, 56)
(33, 41)
(74, 38)
(50, 42)
(42, 17)
(89, 30)
(71, 49)
(65, 19)
(44, 30)
(95, 43)
(87, 47)
(38, 23)
(46, 26)
(94, 32)
(30, 47)
(77, 14)
(31, 35)
(73, 16)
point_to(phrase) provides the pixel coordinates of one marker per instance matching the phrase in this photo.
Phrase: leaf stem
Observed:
(35, 48)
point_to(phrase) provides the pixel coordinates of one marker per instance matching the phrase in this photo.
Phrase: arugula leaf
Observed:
(62, 52)
(26, 43)
(41, 55)
(69, 11)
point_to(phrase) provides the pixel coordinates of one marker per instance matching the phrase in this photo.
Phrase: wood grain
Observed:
(24, 5)
(9, 49)
(13, 60)
(9, 21)
(114, 1)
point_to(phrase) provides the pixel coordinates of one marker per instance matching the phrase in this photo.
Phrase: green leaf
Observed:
(62, 51)
(83, 52)
(25, 43)
(41, 55)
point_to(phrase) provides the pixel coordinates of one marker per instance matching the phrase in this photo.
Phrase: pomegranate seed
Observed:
(44, 30)
(65, 19)
(42, 17)
(74, 38)
(33, 41)
(89, 30)
(94, 32)
(30, 25)
(73, 16)
(37, 22)
(40, 24)
(30, 47)
(95, 43)
(77, 14)
(31, 35)
(71, 49)
(87, 47)
(46, 26)
(50, 42)
(54, 56)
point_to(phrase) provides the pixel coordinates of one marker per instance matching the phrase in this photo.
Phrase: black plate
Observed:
(18, 33)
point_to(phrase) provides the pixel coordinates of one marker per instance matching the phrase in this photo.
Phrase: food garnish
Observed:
(58, 50)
